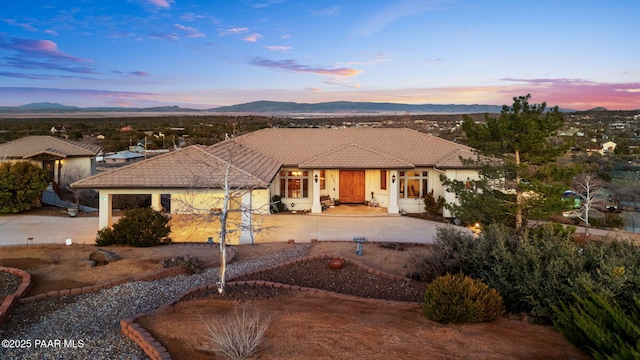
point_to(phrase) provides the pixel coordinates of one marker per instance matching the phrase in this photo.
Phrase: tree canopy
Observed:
(21, 184)
(515, 155)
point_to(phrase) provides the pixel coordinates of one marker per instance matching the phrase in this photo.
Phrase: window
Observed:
(322, 180)
(383, 179)
(412, 184)
(294, 184)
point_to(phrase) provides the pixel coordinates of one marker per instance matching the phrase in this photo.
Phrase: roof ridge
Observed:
(361, 147)
(225, 163)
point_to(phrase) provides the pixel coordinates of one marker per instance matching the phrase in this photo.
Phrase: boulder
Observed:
(86, 263)
(103, 257)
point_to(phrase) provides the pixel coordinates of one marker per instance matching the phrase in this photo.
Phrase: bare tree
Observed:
(223, 193)
(588, 187)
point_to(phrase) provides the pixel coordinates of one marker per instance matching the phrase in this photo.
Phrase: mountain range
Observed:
(273, 107)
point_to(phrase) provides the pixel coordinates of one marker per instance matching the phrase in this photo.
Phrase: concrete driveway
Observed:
(15, 229)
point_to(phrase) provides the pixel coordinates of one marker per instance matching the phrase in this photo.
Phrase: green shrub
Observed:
(609, 220)
(598, 325)
(21, 185)
(431, 205)
(461, 299)
(138, 227)
(538, 268)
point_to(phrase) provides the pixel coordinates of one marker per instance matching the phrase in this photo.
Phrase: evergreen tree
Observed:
(514, 153)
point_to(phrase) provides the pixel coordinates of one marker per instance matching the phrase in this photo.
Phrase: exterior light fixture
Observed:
(315, 177)
(393, 178)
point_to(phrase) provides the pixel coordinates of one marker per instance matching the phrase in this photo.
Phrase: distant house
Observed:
(123, 157)
(608, 148)
(395, 168)
(63, 160)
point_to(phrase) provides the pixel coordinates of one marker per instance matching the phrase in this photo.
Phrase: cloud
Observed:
(24, 26)
(233, 31)
(578, 94)
(278, 48)
(294, 66)
(138, 74)
(42, 54)
(253, 37)
(342, 82)
(330, 11)
(160, 3)
(188, 31)
(165, 36)
(394, 13)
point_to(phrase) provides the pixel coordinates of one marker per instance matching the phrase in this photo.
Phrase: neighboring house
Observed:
(123, 157)
(63, 160)
(393, 167)
(608, 148)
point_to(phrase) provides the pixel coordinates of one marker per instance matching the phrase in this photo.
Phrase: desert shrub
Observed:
(21, 185)
(609, 220)
(538, 268)
(138, 227)
(598, 325)
(461, 299)
(431, 205)
(237, 336)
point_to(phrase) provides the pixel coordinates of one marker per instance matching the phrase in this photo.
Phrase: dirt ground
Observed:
(301, 325)
(308, 326)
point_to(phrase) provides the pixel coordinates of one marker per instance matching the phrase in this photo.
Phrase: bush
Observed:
(238, 336)
(138, 227)
(276, 204)
(431, 205)
(461, 299)
(21, 185)
(538, 268)
(598, 325)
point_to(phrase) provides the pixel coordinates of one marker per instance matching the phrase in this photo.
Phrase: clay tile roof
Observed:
(192, 167)
(353, 156)
(31, 146)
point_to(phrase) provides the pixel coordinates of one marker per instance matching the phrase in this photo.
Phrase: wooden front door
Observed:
(351, 186)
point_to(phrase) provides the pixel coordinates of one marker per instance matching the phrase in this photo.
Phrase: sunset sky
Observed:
(577, 54)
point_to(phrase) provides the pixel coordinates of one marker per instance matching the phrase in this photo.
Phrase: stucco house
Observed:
(123, 157)
(394, 167)
(63, 160)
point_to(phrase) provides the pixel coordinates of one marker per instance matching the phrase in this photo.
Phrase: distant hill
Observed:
(353, 107)
(272, 107)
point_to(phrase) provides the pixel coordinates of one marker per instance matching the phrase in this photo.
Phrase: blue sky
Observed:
(202, 54)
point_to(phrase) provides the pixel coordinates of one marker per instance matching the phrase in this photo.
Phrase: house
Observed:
(394, 167)
(123, 157)
(63, 160)
(608, 148)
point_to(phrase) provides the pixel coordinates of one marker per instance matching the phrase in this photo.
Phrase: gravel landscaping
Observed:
(89, 323)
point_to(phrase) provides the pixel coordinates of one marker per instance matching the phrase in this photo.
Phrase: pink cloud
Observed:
(189, 31)
(253, 37)
(294, 66)
(580, 94)
(234, 31)
(160, 3)
(278, 48)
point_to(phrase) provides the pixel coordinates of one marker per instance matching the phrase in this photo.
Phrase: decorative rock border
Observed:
(10, 300)
(156, 351)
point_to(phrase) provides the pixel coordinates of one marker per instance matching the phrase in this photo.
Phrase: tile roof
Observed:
(292, 147)
(192, 167)
(256, 157)
(31, 146)
(353, 156)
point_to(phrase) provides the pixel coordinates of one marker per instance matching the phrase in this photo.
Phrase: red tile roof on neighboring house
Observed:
(30, 146)
(256, 158)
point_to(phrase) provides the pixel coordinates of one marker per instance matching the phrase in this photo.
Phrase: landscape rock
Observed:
(86, 263)
(103, 257)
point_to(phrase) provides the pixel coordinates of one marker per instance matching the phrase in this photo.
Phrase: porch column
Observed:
(105, 210)
(155, 202)
(393, 192)
(316, 207)
(247, 217)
